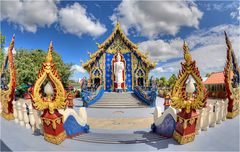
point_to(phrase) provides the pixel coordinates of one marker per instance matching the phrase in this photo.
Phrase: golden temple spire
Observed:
(118, 24)
(187, 55)
(49, 54)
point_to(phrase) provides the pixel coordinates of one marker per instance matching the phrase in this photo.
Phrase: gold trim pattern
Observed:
(101, 49)
(52, 121)
(55, 139)
(187, 122)
(7, 95)
(183, 139)
(233, 94)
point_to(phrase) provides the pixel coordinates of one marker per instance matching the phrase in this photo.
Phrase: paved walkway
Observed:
(224, 137)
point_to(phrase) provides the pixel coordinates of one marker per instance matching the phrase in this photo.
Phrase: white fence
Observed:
(213, 114)
(26, 116)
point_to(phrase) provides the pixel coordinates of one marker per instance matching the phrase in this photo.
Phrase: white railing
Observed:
(26, 115)
(213, 114)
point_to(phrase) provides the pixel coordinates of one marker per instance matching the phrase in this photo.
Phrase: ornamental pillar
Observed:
(7, 90)
(54, 99)
(232, 82)
(189, 96)
(185, 127)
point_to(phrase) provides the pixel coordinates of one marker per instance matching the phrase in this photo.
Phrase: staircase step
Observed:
(118, 100)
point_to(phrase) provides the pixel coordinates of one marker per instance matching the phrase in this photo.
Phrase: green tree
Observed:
(163, 82)
(28, 63)
(172, 80)
(2, 41)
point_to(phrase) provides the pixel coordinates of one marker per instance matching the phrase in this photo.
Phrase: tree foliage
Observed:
(172, 80)
(27, 64)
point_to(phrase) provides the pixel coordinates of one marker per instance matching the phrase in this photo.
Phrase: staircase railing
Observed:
(147, 97)
(90, 97)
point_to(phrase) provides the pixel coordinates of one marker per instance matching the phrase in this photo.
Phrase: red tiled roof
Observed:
(215, 78)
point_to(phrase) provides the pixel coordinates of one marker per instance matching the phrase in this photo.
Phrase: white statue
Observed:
(118, 71)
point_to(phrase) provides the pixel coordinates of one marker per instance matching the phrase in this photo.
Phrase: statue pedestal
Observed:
(53, 127)
(185, 127)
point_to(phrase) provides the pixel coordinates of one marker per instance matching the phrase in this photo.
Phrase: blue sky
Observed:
(158, 27)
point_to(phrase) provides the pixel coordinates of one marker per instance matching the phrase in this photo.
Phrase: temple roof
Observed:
(102, 48)
(216, 78)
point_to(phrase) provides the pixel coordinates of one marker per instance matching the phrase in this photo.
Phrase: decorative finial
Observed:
(118, 24)
(89, 53)
(187, 55)
(229, 45)
(49, 54)
(81, 61)
(185, 47)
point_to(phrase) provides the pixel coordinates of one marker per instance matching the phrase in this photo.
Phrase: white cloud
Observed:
(160, 50)
(77, 68)
(154, 18)
(208, 48)
(75, 20)
(29, 14)
(236, 14)
(164, 69)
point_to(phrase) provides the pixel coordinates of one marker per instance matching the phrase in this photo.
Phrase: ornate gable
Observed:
(117, 41)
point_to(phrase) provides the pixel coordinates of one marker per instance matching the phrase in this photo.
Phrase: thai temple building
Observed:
(215, 85)
(135, 66)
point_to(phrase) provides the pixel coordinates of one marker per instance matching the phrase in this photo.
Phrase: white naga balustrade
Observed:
(26, 115)
(213, 114)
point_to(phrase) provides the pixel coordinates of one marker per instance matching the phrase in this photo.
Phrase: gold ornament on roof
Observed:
(179, 96)
(49, 71)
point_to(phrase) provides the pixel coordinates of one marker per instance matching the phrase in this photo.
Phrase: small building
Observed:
(136, 64)
(215, 85)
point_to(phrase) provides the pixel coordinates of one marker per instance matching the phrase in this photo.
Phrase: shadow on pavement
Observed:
(158, 144)
(4, 147)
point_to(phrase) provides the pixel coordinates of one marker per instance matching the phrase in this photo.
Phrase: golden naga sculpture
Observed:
(179, 96)
(232, 83)
(7, 90)
(48, 70)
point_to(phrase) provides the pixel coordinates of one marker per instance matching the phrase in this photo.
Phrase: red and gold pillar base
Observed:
(233, 109)
(53, 127)
(7, 110)
(7, 116)
(185, 127)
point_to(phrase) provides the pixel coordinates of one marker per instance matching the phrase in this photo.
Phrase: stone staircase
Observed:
(119, 100)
